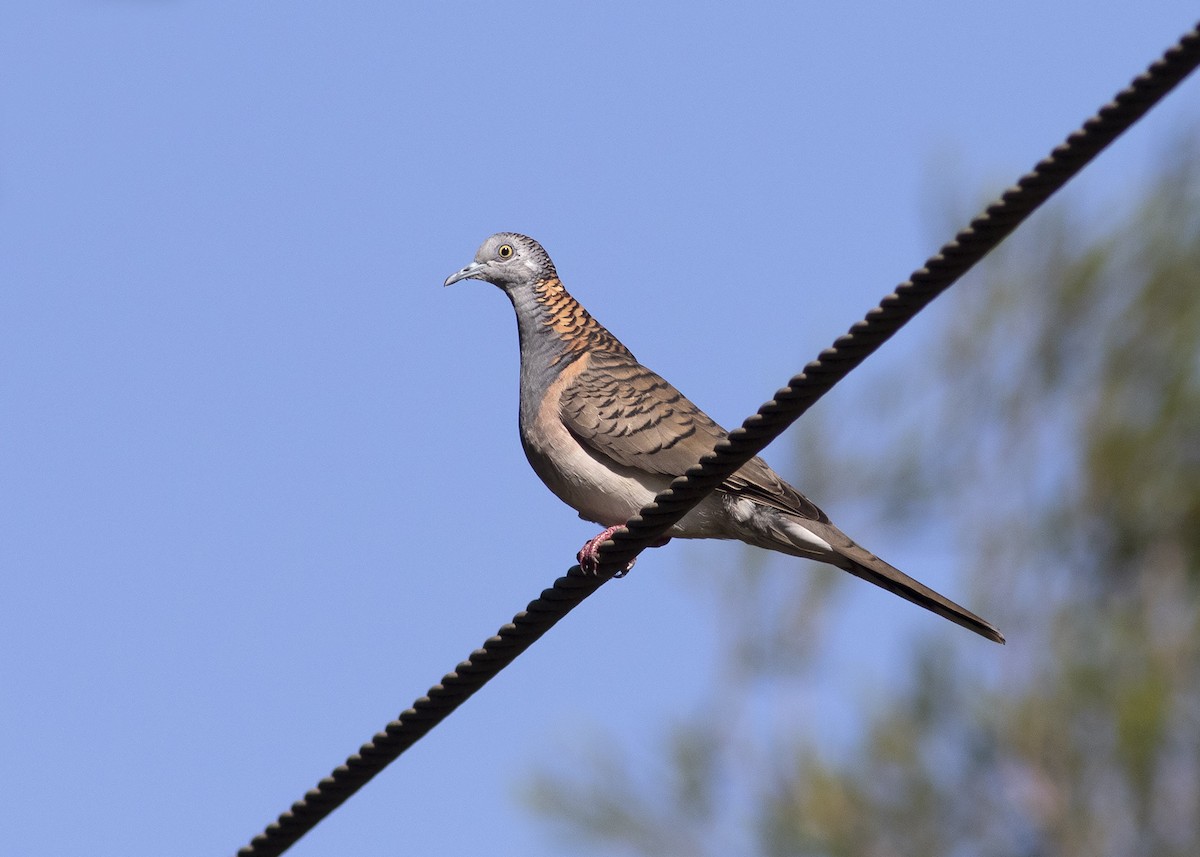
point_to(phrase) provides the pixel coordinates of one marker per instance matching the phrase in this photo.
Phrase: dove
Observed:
(606, 434)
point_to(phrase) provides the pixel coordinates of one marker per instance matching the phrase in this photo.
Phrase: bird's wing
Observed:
(627, 414)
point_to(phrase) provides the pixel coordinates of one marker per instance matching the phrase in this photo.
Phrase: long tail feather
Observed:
(864, 564)
(825, 542)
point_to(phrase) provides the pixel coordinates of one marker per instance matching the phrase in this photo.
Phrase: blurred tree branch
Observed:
(1060, 436)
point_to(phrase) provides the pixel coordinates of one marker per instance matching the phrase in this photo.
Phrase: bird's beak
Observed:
(470, 272)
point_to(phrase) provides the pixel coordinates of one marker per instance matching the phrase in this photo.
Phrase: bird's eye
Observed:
(505, 251)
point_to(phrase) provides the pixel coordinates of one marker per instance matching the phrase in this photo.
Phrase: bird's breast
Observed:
(598, 489)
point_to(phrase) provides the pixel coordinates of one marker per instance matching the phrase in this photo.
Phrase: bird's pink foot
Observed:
(589, 562)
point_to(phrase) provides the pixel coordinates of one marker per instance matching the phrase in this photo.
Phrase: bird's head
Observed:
(508, 260)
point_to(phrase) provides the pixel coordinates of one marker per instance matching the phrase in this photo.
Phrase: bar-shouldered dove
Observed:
(606, 434)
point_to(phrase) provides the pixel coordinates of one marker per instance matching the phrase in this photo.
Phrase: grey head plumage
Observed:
(554, 328)
(508, 260)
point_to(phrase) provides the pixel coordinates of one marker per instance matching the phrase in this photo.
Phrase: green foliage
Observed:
(1061, 439)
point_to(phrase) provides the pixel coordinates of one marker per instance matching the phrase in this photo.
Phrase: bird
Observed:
(606, 434)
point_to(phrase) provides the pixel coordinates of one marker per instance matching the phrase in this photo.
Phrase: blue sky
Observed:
(261, 478)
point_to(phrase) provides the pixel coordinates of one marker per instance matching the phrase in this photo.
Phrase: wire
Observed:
(941, 271)
(431, 709)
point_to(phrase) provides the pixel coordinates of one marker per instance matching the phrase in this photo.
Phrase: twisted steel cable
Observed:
(954, 259)
(940, 271)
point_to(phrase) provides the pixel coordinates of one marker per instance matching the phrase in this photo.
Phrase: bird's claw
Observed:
(589, 560)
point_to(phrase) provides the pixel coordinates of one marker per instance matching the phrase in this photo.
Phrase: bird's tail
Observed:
(851, 557)
(871, 568)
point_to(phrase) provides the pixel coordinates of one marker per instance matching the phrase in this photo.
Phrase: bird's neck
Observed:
(555, 329)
